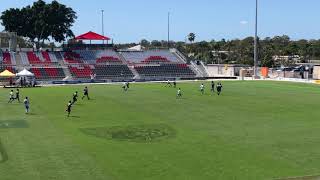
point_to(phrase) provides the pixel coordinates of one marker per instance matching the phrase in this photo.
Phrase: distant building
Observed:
(225, 70)
(289, 59)
(10, 37)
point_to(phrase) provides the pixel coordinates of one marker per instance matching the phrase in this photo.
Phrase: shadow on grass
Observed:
(31, 114)
(181, 98)
(3, 153)
(77, 117)
(13, 104)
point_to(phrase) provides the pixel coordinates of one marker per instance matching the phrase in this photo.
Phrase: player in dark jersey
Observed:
(17, 95)
(125, 87)
(168, 83)
(75, 97)
(174, 84)
(212, 86)
(69, 106)
(127, 84)
(219, 88)
(86, 93)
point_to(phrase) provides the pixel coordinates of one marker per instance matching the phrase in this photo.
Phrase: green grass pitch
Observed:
(254, 130)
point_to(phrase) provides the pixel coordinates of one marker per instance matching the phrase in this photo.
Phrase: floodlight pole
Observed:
(256, 44)
(102, 23)
(168, 30)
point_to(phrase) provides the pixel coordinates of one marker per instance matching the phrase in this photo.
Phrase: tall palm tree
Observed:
(191, 37)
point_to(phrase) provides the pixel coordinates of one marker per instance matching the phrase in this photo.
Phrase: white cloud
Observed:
(244, 22)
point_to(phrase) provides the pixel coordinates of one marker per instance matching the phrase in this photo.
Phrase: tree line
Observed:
(240, 51)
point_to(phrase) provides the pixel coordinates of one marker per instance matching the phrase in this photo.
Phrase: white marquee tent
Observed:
(24, 73)
(136, 48)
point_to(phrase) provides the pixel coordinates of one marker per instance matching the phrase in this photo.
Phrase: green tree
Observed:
(40, 21)
(156, 43)
(240, 51)
(267, 60)
(191, 37)
(144, 43)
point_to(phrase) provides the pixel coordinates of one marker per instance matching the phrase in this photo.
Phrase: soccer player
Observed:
(69, 105)
(219, 88)
(17, 95)
(168, 83)
(124, 86)
(212, 86)
(26, 103)
(86, 93)
(202, 88)
(127, 84)
(74, 98)
(11, 98)
(174, 84)
(179, 94)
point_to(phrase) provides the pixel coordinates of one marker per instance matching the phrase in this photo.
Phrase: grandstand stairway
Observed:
(58, 57)
(18, 60)
(123, 60)
(132, 69)
(13, 58)
(179, 55)
(134, 72)
(199, 70)
(24, 58)
(67, 72)
(203, 69)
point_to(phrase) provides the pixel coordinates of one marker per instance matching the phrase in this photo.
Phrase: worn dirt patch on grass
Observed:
(3, 153)
(13, 124)
(301, 178)
(135, 133)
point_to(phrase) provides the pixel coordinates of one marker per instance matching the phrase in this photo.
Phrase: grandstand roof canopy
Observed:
(91, 36)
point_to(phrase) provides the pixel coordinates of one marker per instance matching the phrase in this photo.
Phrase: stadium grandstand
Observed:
(104, 63)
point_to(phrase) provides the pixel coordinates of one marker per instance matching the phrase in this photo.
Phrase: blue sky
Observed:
(133, 20)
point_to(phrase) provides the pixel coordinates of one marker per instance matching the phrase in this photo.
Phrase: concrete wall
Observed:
(220, 70)
(287, 74)
(316, 72)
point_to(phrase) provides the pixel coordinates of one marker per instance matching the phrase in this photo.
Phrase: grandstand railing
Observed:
(67, 47)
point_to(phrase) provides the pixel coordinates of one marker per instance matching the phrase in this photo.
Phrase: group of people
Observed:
(24, 82)
(126, 86)
(219, 87)
(202, 88)
(75, 99)
(16, 96)
(170, 85)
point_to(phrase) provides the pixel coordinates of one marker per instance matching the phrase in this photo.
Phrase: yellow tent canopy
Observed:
(7, 73)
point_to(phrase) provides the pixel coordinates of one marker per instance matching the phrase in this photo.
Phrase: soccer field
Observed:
(254, 130)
